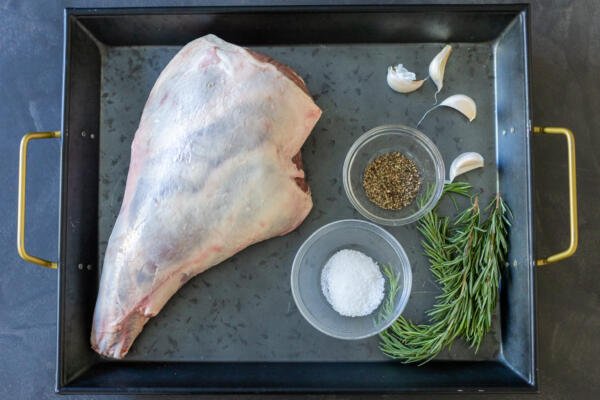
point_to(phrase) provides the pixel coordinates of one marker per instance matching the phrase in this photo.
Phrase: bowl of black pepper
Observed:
(393, 175)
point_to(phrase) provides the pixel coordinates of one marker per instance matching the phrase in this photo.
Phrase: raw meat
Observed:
(214, 168)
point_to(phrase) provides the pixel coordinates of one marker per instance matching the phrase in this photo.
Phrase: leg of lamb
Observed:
(215, 167)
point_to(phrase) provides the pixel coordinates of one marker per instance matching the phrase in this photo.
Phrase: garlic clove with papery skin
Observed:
(463, 104)
(460, 102)
(402, 80)
(437, 67)
(464, 163)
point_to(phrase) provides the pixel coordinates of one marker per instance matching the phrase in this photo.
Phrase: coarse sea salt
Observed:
(352, 283)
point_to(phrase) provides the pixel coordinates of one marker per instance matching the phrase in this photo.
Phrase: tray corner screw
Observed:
(84, 134)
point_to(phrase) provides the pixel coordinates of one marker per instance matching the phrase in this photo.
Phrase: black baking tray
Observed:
(93, 36)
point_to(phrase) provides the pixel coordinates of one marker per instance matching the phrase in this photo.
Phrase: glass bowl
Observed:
(314, 253)
(413, 144)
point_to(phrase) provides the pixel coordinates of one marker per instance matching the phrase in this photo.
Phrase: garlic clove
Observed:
(463, 104)
(437, 67)
(402, 80)
(460, 102)
(464, 163)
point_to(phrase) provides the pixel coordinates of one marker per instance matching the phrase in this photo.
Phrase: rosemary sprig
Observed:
(466, 257)
(493, 257)
(394, 285)
(460, 188)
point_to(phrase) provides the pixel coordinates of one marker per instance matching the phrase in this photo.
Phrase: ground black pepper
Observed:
(392, 181)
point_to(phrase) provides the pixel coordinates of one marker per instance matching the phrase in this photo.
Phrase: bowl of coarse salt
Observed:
(351, 279)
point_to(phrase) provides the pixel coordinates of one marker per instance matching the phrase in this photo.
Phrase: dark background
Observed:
(565, 92)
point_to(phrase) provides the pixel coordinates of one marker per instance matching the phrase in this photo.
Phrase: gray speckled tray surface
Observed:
(242, 310)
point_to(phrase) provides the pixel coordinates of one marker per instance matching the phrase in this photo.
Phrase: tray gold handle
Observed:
(21, 201)
(569, 251)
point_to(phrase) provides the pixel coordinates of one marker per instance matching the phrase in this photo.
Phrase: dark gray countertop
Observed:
(565, 92)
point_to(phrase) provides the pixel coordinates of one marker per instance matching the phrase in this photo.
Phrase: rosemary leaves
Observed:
(466, 257)
(392, 181)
